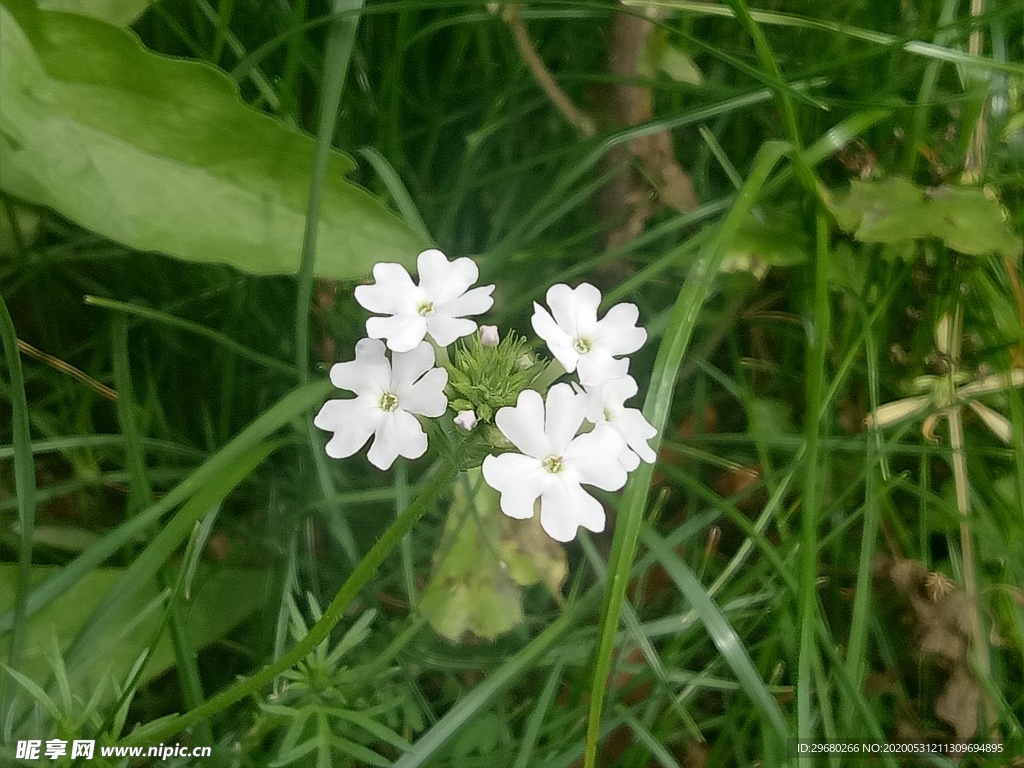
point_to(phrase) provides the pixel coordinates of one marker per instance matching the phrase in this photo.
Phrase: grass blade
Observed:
(25, 487)
(291, 405)
(670, 356)
(721, 633)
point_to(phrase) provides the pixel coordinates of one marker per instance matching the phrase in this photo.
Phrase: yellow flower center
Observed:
(583, 346)
(552, 464)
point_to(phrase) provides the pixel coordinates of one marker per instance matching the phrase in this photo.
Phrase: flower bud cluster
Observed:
(543, 446)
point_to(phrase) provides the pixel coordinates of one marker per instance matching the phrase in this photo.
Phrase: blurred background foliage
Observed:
(155, 162)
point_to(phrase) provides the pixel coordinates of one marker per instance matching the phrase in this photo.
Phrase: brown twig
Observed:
(576, 117)
(627, 201)
(631, 104)
(66, 368)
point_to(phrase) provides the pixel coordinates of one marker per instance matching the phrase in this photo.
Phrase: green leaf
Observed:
(162, 155)
(722, 633)
(483, 559)
(771, 238)
(119, 12)
(967, 219)
(661, 55)
(225, 597)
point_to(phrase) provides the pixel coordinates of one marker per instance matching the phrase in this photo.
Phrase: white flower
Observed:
(553, 462)
(578, 339)
(465, 420)
(437, 306)
(489, 335)
(387, 396)
(606, 404)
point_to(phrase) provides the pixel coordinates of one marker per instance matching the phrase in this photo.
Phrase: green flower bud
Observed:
(485, 378)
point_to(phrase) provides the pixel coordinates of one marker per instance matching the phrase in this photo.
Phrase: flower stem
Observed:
(954, 415)
(362, 574)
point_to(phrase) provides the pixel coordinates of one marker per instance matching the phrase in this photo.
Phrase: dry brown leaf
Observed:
(958, 703)
(940, 619)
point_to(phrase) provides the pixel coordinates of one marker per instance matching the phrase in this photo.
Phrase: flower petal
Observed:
(564, 506)
(629, 460)
(993, 383)
(523, 425)
(442, 280)
(564, 414)
(617, 332)
(558, 341)
(407, 367)
(519, 479)
(393, 291)
(474, 302)
(618, 391)
(426, 397)
(402, 331)
(351, 421)
(598, 367)
(398, 434)
(636, 431)
(369, 373)
(606, 401)
(574, 309)
(593, 458)
(444, 330)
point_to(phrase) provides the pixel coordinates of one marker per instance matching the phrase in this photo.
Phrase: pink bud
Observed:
(489, 335)
(465, 420)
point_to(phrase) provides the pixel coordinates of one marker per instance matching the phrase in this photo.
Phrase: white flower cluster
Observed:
(552, 459)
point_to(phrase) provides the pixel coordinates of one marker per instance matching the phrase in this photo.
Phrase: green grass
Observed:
(745, 595)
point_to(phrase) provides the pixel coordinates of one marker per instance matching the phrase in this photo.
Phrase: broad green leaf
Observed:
(532, 557)
(967, 219)
(223, 598)
(119, 12)
(162, 155)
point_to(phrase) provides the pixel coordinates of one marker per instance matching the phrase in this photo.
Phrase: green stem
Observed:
(25, 489)
(340, 41)
(339, 51)
(768, 62)
(335, 611)
(818, 332)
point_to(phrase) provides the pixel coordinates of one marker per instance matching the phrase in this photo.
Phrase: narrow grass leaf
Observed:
(475, 703)
(24, 486)
(291, 405)
(359, 577)
(721, 632)
(176, 530)
(199, 330)
(673, 346)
